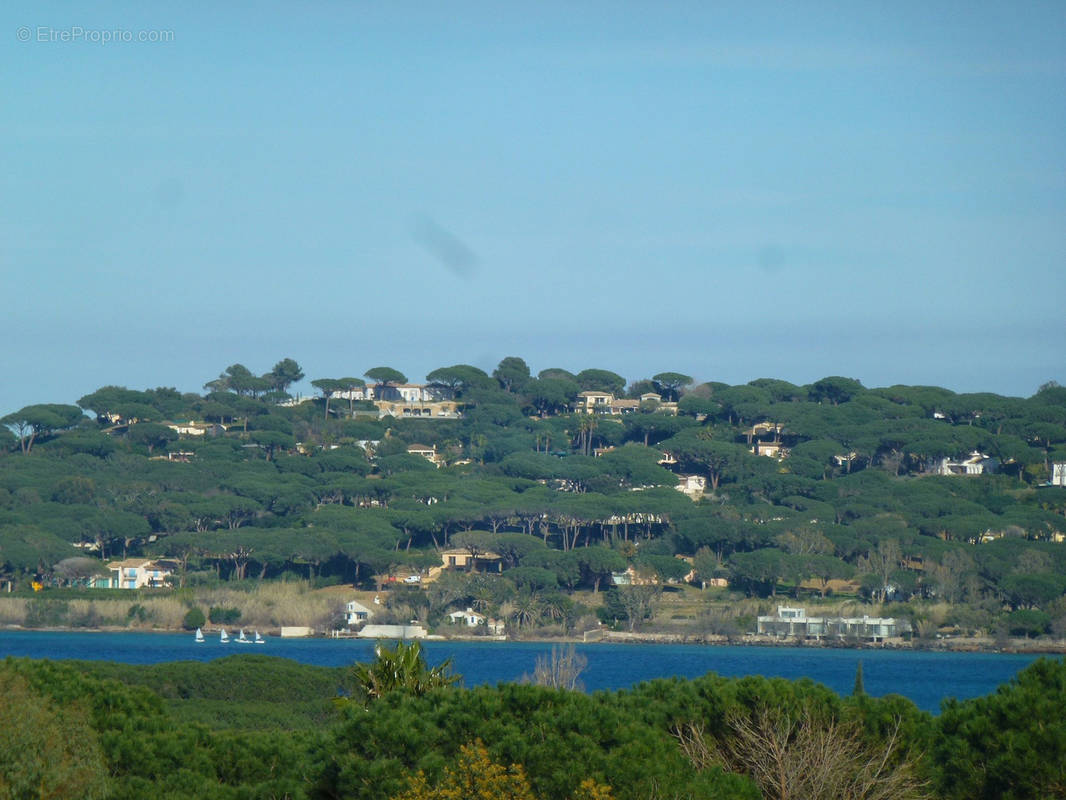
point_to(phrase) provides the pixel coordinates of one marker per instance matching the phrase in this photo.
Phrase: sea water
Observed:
(924, 677)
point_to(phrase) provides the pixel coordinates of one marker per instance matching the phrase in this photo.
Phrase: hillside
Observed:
(947, 506)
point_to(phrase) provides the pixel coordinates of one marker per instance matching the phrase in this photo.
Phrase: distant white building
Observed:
(976, 463)
(691, 485)
(769, 449)
(794, 623)
(1058, 474)
(470, 618)
(355, 393)
(428, 452)
(355, 613)
(135, 573)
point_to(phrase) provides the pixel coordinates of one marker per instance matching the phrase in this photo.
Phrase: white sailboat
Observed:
(199, 636)
(259, 639)
(223, 637)
(242, 639)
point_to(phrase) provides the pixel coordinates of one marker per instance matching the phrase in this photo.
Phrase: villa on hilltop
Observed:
(606, 403)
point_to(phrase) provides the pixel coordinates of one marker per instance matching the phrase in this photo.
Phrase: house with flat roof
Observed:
(793, 623)
(594, 402)
(458, 558)
(591, 402)
(769, 449)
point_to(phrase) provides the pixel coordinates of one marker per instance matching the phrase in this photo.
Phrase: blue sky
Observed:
(730, 190)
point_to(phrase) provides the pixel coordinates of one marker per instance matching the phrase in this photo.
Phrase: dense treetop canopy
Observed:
(769, 484)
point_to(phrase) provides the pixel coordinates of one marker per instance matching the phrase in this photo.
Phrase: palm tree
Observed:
(526, 609)
(483, 594)
(402, 668)
(586, 427)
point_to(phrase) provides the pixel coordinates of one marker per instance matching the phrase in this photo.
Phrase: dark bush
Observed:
(193, 619)
(220, 615)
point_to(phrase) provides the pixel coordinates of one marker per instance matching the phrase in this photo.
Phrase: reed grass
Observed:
(265, 607)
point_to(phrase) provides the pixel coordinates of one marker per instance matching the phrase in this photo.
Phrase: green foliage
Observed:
(254, 725)
(560, 738)
(47, 749)
(600, 380)
(512, 374)
(353, 503)
(835, 390)
(386, 375)
(401, 668)
(549, 395)
(1010, 745)
(144, 749)
(223, 616)
(42, 612)
(459, 379)
(1029, 591)
(39, 421)
(859, 689)
(666, 568)
(671, 383)
(1028, 622)
(137, 613)
(194, 618)
(285, 373)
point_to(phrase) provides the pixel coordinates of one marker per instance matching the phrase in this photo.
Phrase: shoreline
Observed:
(953, 645)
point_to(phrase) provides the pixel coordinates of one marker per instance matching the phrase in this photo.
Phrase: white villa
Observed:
(606, 403)
(794, 623)
(135, 573)
(355, 613)
(976, 463)
(1058, 474)
(470, 618)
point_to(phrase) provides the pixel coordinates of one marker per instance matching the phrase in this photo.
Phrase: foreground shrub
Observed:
(1009, 745)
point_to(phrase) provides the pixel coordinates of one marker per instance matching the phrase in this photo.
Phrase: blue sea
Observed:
(924, 677)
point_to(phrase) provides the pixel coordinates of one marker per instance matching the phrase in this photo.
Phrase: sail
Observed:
(199, 635)
(259, 639)
(223, 637)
